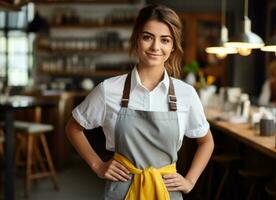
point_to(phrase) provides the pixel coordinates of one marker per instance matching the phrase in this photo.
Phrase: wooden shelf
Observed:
(72, 51)
(89, 26)
(6, 5)
(99, 73)
(86, 1)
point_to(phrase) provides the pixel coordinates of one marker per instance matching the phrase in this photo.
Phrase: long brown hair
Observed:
(170, 18)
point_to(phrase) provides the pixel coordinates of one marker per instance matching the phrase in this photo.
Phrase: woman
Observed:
(268, 93)
(144, 115)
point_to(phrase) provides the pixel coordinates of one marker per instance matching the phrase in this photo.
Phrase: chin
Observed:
(154, 64)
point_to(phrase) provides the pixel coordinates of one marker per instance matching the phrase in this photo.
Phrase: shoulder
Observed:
(182, 88)
(115, 79)
(114, 85)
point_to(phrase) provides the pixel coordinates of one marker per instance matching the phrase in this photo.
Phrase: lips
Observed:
(153, 55)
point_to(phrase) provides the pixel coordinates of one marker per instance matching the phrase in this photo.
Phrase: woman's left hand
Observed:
(176, 182)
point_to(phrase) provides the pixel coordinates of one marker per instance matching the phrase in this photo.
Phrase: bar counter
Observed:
(242, 132)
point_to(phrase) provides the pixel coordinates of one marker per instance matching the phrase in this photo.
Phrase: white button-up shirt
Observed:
(101, 106)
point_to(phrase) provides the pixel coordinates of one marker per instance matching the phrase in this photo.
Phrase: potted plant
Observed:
(191, 69)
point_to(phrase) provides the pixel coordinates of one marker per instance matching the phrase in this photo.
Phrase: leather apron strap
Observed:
(171, 94)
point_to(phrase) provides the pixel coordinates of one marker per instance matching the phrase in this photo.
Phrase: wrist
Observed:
(95, 166)
(189, 185)
(191, 181)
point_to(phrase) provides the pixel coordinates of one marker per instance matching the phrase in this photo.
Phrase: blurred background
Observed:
(57, 51)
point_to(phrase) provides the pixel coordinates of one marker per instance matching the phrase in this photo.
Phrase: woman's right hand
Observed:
(112, 170)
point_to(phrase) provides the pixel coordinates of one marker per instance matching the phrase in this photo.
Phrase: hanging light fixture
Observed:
(247, 40)
(219, 49)
(271, 47)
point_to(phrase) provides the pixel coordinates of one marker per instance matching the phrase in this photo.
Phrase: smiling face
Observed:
(155, 44)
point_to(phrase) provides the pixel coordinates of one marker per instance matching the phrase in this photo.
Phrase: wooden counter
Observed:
(243, 133)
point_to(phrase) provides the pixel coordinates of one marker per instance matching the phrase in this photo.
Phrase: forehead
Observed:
(156, 28)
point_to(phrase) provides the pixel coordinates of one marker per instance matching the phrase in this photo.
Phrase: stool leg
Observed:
(20, 150)
(29, 165)
(224, 178)
(49, 160)
(39, 157)
(1, 150)
(251, 190)
(210, 177)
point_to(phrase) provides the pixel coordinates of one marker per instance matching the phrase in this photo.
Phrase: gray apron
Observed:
(146, 139)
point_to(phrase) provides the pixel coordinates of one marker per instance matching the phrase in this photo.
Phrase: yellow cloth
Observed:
(148, 183)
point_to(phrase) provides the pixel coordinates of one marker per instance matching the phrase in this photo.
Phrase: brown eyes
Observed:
(165, 41)
(150, 38)
(147, 38)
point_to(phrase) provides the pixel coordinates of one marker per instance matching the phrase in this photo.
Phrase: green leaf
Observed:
(192, 67)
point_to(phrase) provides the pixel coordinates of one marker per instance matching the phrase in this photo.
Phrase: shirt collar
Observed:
(135, 80)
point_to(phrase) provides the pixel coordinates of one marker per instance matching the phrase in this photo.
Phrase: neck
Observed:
(150, 76)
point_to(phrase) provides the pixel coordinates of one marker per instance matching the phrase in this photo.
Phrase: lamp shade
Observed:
(218, 48)
(271, 46)
(38, 25)
(246, 40)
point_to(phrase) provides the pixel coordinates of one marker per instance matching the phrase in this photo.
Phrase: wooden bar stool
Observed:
(227, 161)
(34, 134)
(255, 176)
(271, 189)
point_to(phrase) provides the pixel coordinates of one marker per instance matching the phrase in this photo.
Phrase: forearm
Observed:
(201, 157)
(77, 138)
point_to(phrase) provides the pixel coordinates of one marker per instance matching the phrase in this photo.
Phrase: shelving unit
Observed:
(86, 43)
(79, 39)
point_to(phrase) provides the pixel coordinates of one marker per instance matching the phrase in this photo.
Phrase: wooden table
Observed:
(243, 132)
(7, 107)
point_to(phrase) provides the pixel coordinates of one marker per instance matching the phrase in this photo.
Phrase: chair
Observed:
(31, 141)
(255, 176)
(227, 161)
(35, 133)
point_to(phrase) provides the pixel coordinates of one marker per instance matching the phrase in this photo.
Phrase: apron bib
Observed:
(146, 139)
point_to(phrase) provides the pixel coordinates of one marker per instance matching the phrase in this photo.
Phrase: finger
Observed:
(173, 189)
(121, 167)
(178, 188)
(117, 176)
(110, 177)
(169, 176)
(173, 184)
(171, 179)
(122, 173)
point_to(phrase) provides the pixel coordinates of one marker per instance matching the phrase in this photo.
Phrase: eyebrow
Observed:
(154, 35)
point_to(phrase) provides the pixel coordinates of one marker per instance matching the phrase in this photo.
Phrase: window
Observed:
(16, 60)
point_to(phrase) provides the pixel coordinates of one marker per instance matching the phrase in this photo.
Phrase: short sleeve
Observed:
(197, 124)
(91, 112)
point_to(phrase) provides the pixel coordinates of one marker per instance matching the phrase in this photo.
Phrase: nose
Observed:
(155, 46)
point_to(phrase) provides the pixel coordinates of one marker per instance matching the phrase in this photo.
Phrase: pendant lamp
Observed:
(270, 47)
(247, 40)
(38, 25)
(219, 49)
